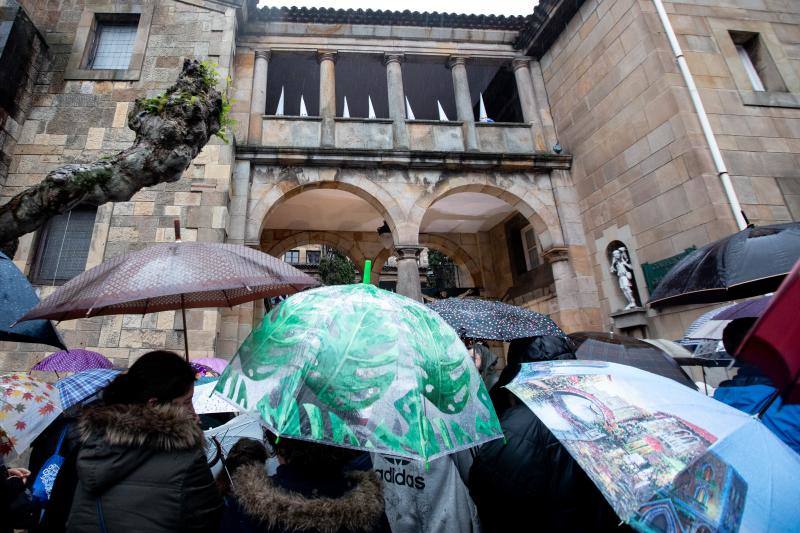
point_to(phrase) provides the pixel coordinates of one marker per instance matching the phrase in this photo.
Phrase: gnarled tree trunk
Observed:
(170, 132)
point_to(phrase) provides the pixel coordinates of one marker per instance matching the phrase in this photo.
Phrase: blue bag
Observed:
(43, 484)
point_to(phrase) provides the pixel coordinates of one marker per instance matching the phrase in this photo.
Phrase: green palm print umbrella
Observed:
(363, 368)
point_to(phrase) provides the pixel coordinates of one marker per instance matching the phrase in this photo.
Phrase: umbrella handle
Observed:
(218, 453)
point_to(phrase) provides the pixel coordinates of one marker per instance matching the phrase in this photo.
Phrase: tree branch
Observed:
(171, 129)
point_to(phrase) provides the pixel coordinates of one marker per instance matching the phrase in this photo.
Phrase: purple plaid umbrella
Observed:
(203, 371)
(72, 361)
(753, 308)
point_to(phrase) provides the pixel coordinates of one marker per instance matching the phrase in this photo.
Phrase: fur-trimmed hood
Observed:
(165, 427)
(358, 510)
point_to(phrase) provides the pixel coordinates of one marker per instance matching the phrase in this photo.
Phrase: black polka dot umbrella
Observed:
(475, 318)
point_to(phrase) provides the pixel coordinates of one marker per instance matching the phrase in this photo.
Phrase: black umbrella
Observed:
(475, 318)
(17, 297)
(601, 346)
(749, 263)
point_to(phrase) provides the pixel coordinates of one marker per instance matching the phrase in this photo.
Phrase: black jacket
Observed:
(531, 482)
(294, 501)
(16, 509)
(143, 468)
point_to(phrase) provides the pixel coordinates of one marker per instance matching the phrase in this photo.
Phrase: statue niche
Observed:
(622, 268)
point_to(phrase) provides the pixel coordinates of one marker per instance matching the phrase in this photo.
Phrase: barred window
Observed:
(113, 45)
(64, 246)
(292, 256)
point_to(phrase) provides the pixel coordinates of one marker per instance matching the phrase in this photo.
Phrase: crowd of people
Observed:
(135, 460)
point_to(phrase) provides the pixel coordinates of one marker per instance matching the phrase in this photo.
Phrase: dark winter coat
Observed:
(531, 482)
(292, 501)
(143, 468)
(16, 509)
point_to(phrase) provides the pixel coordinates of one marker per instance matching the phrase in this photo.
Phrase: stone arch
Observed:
(328, 238)
(522, 192)
(368, 190)
(455, 252)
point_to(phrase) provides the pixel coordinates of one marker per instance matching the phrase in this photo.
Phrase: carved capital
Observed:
(326, 55)
(452, 61)
(263, 54)
(556, 254)
(407, 251)
(520, 62)
(393, 58)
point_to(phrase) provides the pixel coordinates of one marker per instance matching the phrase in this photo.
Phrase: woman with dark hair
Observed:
(141, 464)
(310, 491)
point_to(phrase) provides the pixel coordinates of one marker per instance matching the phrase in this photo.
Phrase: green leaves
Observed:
(355, 362)
(274, 343)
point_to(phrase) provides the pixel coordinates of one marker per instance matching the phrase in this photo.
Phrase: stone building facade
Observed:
(587, 141)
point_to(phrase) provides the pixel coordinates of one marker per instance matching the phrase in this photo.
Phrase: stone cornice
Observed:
(391, 18)
(402, 159)
(543, 27)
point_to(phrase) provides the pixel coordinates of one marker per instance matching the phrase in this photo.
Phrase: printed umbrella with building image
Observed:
(17, 297)
(172, 276)
(667, 458)
(749, 263)
(359, 367)
(476, 318)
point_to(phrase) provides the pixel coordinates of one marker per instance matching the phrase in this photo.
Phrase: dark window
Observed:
(114, 37)
(64, 246)
(292, 256)
(427, 81)
(312, 257)
(757, 62)
(360, 78)
(530, 248)
(296, 74)
(496, 82)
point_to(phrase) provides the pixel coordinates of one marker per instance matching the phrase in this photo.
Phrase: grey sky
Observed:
(496, 7)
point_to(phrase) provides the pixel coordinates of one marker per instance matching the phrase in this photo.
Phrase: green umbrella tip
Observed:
(367, 271)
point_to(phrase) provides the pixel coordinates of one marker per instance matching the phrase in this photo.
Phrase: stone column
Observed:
(408, 271)
(327, 95)
(464, 101)
(258, 97)
(527, 101)
(397, 100)
(543, 105)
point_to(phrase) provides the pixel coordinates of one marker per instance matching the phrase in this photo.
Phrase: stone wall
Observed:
(23, 54)
(77, 120)
(642, 169)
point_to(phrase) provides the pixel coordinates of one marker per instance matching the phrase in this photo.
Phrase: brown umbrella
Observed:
(172, 276)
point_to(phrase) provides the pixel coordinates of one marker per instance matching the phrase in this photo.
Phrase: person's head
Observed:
(310, 456)
(541, 348)
(158, 377)
(735, 332)
(244, 452)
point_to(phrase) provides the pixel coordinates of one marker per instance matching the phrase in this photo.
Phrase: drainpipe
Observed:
(716, 155)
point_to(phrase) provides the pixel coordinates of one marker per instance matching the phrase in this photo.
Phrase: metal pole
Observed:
(705, 125)
(185, 330)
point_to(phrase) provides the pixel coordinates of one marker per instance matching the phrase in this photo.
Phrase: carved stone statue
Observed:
(622, 268)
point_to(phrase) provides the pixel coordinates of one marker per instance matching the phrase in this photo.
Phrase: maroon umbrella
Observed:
(177, 275)
(773, 344)
(72, 361)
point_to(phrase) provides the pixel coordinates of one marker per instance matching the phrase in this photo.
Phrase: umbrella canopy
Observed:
(700, 322)
(17, 297)
(72, 361)
(81, 386)
(205, 400)
(773, 343)
(752, 308)
(666, 458)
(203, 371)
(749, 263)
(27, 407)
(172, 276)
(363, 368)
(216, 364)
(602, 346)
(492, 320)
(244, 426)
